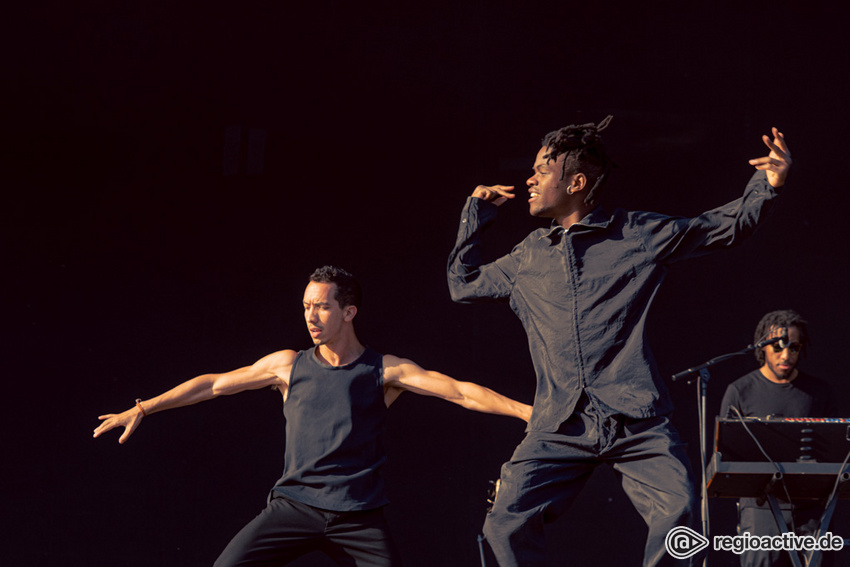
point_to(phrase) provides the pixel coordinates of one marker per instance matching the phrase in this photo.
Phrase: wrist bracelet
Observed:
(141, 409)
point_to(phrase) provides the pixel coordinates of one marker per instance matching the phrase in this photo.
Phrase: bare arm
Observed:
(271, 370)
(404, 375)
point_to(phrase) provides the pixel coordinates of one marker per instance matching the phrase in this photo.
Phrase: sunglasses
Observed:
(793, 347)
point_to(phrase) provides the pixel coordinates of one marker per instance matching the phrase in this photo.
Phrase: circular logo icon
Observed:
(682, 542)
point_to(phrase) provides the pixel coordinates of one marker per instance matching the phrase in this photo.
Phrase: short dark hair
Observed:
(347, 287)
(778, 319)
(585, 153)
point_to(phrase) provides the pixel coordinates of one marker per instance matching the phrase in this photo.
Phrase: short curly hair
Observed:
(779, 319)
(347, 287)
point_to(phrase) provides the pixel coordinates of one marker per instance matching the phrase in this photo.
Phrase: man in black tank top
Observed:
(336, 395)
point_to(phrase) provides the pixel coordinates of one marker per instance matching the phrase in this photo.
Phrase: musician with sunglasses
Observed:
(778, 389)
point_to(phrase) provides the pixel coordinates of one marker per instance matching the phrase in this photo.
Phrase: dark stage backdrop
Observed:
(172, 174)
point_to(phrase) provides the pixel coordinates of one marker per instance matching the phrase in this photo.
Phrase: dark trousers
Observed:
(759, 520)
(287, 529)
(548, 470)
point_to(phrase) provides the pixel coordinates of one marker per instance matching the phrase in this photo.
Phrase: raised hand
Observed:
(777, 162)
(496, 194)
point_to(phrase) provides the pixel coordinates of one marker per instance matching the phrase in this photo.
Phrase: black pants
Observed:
(548, 470)
(287, 529)
(759, 520)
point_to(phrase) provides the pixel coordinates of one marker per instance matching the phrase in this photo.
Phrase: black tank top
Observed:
(334, 426)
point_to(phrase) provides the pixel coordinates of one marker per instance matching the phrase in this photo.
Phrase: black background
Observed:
(142, 248)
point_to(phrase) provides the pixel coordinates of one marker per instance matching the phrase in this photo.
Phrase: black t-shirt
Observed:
(756, 396)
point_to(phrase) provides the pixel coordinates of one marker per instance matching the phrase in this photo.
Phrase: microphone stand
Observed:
(701, 373)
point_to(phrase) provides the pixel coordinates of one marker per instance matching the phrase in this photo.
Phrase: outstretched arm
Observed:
(777, 162)
(268, 371)
(404, 375)
(676, 239)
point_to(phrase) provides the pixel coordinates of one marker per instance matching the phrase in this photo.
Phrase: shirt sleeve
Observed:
(730, 400)
(469, 280)
(674, 238)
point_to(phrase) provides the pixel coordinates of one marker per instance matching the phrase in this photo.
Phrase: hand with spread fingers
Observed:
(129, 420)
(777, 162)
(496, 194)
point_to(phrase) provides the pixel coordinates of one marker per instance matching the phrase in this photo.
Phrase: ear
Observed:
(577, 182)
(349, 313)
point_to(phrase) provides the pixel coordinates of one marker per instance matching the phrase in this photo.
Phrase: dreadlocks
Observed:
(776, 320)
(585, 153)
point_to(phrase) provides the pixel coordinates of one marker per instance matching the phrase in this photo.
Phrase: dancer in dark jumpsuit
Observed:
(583, 288)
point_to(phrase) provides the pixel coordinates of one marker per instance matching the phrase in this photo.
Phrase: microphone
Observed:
(782, 339)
